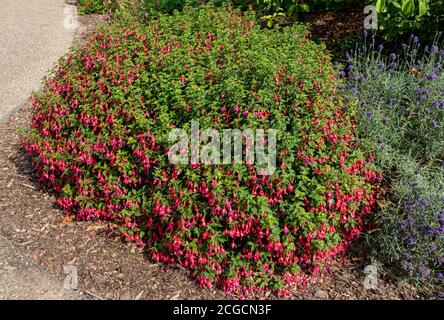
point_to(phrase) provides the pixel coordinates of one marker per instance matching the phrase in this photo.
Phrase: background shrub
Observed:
(291, 8)
(401, 18)
(100, 139)
(401, 117)
(91, 6)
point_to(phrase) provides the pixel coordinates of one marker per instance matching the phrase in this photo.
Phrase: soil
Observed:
(112, 269)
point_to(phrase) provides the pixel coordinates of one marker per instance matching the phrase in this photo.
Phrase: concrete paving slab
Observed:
(21, 278)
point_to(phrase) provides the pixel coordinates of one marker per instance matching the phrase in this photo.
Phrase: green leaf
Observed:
(408, 7)
(396, 4)
(304, 7)
(423, 8)
(380, 5)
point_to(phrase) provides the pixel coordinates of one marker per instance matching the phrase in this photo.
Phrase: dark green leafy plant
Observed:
(400, 18)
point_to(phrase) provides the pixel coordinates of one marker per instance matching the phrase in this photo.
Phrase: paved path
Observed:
(32, 38)
(22, 278)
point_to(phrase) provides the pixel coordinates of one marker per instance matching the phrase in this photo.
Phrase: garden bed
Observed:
(112, 269)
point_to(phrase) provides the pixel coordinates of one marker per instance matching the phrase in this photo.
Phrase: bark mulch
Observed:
(112, 269)
(333, 27)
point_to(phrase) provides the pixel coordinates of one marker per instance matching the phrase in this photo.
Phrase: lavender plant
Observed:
(401, 99)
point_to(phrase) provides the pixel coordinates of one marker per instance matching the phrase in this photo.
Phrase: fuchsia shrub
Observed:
(99, 138)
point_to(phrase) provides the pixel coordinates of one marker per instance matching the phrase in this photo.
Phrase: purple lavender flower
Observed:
(431, 77)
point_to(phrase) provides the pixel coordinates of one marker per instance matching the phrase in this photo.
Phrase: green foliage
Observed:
(91, 6)
(269, 10)
(403, 17)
